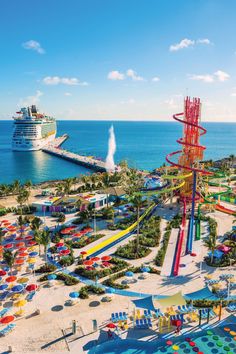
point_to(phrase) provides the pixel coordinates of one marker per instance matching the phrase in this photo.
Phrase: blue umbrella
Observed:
(3, 286)
(145, 269)
(110, 291)
(74, 295)
(62, 248)
(51, 277)
(17, 288)
(33, 254)
(129, 274)
(6, 268)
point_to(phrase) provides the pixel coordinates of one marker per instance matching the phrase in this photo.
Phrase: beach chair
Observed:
(125, 316)
(3, 312)
(30, 296)
(149, 322)
(7, 329)
(4, 295)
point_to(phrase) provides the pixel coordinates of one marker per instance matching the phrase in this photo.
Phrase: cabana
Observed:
(172, 300)
(145, 303)
(223, 248)
(202, 294)
(216, 254)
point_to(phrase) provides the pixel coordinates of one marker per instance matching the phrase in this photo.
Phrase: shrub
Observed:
(46, 268)
(129, 251)
(85, 290)
(159, 259)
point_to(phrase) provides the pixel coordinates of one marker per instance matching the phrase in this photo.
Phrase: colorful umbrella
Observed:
(88, 263)
(74, 295)
(19, 261)
(31, 260)
(3, 286)
(88, 229)
(31, 287)
(83, 253)
(59, 244)
(33, 254)
(65, 252)
(17, 288)
(31, 243)
(22, 249)
(106, 258)
(2, 273)
(78, 234)
(129, 274)
(11, 279)
(19, 244)
(62, 248)
(7, 319)
(23, 280)
(21, 303)
(22, 255)
(8, 246)
(95, 259)
(51, 277)
(111, 325)
(28, 237)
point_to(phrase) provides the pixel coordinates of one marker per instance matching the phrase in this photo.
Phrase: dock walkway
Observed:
(54, 148)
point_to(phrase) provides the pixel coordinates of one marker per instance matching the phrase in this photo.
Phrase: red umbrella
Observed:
(106, 258)
(107, 264)
(22, 255)
(11, 279)
(88, 229)
(66, 231)
(22, 249)
(3, 221)
(59, 244)
(8, 245)
(31, 243)
(193, 254)
(19, 238)
(19, 261)
(78, 234)
(83, 253)
(88, 263)
(111, 325)
(83, 232)
(2, 273)
(7, 319)
(31, 287)
(65, 252)
(95, 259)
(28, 238)
(19, 244)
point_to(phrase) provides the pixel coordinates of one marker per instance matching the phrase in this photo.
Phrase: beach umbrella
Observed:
(111, 325)
(19, 261)
(83, 232)
(64, 252)
(32, 248)
(88, 263)
(19, 244)
(106, 258)
(2, 273)
(22, 249)
(110, 291)
(9, 246)
(76, 239)
(51, 277)
(95, 259)
(21, 303)
(31, 287)
(29, 237)
(3, 286)
(106, 264)
(33, 254)
(11, 279)
(78, 234)
(6, 268)
(17, 288)
(83, 253)
(19, 238)
(7, 319)
(59, 244)
(3, 221)
(129, 274)
(22, 255)
(88, 229)
(74, 294)
(23, 280)
(62, 248)
(31, 260)
(145, 270)
(31, 243)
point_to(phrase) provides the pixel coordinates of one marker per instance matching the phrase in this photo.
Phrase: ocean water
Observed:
(142, 144)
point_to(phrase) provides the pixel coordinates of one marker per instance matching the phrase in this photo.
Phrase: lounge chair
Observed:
(7, 329)
(4, 311)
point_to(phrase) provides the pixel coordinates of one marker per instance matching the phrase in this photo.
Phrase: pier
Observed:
(54, 148)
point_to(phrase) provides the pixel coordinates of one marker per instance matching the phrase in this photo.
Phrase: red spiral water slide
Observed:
(191, 152)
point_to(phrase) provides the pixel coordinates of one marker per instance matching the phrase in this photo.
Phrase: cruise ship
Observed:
(32, 130)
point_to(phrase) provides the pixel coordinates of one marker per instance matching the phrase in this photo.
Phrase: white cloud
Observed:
(222, 75)
(155, 79)
(184, 43)
(33, 45)
(56, 80)
(67, 94)
(233, 94)
(115, 75)
(29, 100)
(205, 78)
(204, 41)
(133, 75)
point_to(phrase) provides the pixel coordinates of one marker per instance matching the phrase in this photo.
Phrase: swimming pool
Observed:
(215, 341)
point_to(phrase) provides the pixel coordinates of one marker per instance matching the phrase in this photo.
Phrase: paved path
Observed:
(169, 257)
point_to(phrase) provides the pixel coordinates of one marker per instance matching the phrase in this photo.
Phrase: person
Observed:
(109, 334)
(178, 330)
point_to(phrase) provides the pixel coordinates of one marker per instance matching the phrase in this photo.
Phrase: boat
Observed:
(32, 130)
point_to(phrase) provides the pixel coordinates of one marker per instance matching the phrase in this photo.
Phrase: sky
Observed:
(118, 59)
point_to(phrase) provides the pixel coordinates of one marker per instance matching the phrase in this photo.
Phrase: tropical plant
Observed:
(137, 202)
(22, 198)
(210, 243)
(9, 258)
(35, 223)
(45, 241)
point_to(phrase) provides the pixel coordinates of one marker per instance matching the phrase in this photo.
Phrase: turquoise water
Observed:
(143, 144)
(217, 343)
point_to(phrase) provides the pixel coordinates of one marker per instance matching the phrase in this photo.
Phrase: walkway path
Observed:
(166, 270)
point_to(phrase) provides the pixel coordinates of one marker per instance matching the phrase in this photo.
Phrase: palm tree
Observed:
(16, 186)
(38, 239)
(45, 241)
(137, 202)
(9, 258)
(67, 185)
(210, 243)
(59, 189)
(28, 185)
(78, 204)
(22, 198)
(35, 223)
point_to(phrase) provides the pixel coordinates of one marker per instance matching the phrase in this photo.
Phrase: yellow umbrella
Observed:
(16, 296)
(31, 260)
(23, 280)
(21, 303)
(32, 248)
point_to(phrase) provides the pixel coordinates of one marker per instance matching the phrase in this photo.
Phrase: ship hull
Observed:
(34, 144)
